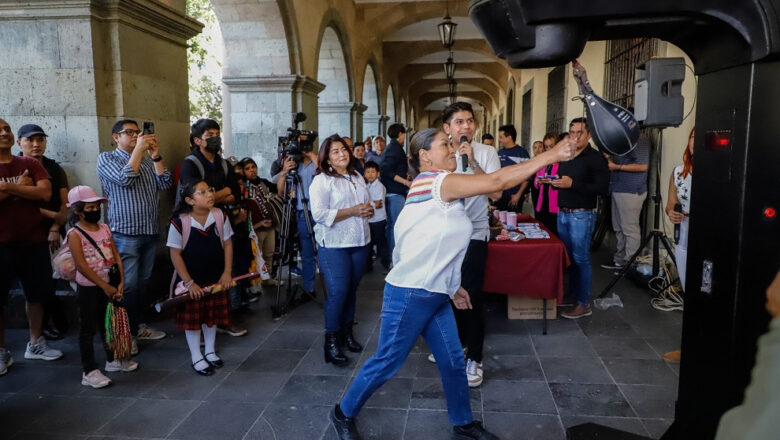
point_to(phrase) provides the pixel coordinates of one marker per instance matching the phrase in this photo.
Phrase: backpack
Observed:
(186, 227)
(62, 263)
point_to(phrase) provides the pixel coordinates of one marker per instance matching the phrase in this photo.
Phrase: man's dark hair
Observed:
(395, 130)
(372, 164)
(509, 130)
(487, 137)
(120, 125)
(359, 144)
(583, 121)
(203, 125)
(455, 107)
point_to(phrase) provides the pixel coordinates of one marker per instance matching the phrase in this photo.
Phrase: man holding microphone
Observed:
(472, 158)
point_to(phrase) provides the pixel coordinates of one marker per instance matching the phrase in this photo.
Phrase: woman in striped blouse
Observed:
(431, 234)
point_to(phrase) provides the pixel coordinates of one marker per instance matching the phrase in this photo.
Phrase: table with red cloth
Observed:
(530, 267)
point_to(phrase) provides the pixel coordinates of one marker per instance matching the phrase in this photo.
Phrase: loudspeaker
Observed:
(658, 100)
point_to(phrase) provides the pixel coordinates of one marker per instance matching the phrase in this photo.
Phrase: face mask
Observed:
(92, 216)
(214, 144)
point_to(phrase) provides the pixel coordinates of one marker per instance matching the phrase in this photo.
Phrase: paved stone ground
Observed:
(275, 384)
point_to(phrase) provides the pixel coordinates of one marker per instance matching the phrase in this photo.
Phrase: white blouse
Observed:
(431, 237)
(327, 195)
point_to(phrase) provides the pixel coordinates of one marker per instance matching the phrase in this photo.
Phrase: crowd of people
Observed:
(423, 216)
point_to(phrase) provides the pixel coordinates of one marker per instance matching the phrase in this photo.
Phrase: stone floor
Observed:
(275, 385)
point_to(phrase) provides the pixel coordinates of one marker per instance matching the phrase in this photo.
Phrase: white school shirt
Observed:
(431, 237)
(327, 195)
(378, 192)
(174, 237)
(477, 206)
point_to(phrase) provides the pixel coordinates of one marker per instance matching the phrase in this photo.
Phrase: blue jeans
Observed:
(575, 230)
(395, 202)
(307, 252)
(407, 313)
(342, 269)
(137, 252)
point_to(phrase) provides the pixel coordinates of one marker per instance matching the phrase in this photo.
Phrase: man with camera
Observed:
(132, 176)
(304, 161)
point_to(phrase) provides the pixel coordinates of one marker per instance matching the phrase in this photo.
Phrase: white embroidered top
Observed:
(327, 195)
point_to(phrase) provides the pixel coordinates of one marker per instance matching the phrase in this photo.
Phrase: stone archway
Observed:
(334, 106)
(373, 110)
(390, 114)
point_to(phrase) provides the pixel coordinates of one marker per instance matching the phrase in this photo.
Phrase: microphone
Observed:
(677, 208)
(463, 158)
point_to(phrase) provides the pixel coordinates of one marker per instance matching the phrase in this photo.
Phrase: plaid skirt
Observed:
(210, 310)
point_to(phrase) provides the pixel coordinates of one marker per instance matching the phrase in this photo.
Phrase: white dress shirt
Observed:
(327, 195)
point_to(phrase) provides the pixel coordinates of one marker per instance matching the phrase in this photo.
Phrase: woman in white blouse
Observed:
(432, 233)
(341, 208)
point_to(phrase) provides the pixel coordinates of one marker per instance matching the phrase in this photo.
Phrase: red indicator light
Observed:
(723, 142)
(770, 213)
(717, 140)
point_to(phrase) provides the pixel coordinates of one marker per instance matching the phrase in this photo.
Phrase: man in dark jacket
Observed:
(394, 176)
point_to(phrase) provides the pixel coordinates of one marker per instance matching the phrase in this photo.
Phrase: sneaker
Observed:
(133, 347)
(95, 379)
(473, 430)
(5, 360)
(41, 350)
(577, 312)
(124, 365)
(474, 373)
(149, 334)
(612, 266)
(296, 271)
(432, 359)
(232, 330)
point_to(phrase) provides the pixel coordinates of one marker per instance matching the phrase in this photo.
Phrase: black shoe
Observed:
(347, 339)
(345, 426)
(52, 334)
(473, 430)
(333, 353)
(217, 363)
(208, 371)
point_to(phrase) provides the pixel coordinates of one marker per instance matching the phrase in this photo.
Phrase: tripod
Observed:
(656, 235)
(287, 250)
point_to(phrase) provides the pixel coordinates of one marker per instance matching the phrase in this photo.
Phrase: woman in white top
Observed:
(341, 208)
(680, 192)
(431, 234)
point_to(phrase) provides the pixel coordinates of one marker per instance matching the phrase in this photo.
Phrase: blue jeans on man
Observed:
(575, 230)
(395, 202)
(342, 269)
(406, 314)
(137, 253)
(307, 251)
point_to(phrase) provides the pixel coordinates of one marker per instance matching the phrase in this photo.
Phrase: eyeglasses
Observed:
(203, 192)
(129, 132)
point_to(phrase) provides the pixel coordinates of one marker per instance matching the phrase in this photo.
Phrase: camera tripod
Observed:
(286, 249)
(655, 236)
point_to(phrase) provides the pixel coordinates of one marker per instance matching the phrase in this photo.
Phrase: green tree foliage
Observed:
(204, 81)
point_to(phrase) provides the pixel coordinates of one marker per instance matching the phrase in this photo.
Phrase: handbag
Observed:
(114, 277)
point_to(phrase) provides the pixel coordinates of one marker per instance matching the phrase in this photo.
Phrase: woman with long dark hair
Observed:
(341, 207)
(432, 234)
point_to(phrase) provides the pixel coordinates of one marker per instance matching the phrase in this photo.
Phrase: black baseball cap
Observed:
(30, 130)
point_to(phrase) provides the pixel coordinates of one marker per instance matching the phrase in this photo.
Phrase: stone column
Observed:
(76, 67)
(259, 109)
(370, 125)
(356, 121)
(334, 117)
(383, 126)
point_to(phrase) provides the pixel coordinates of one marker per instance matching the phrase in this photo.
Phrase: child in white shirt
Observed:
(378, 222)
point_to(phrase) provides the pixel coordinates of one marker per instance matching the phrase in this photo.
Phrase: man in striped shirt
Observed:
(132, 175)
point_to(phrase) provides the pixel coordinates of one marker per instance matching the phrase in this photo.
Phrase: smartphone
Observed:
(148, 128)
(551, 177)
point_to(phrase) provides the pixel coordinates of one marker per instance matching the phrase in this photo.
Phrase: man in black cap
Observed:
(32, 141)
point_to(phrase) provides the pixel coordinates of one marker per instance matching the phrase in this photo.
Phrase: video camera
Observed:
(297, 141)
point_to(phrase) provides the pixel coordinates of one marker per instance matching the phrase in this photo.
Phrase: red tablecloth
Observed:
(530, 267)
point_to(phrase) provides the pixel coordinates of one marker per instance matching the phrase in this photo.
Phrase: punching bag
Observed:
(613, 128)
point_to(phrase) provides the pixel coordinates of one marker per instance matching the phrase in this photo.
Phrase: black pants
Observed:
(549, 220)
(379, 239)
(92, 318)
(471, 323)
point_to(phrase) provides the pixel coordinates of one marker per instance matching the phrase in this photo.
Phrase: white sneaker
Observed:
(431, 358)
(95, 379)
(133, 346)
(5, 360)
(40, 350)
(124, 365)
(149, 334)
(474, 373)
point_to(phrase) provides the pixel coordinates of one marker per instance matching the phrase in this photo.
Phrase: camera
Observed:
(297, 141)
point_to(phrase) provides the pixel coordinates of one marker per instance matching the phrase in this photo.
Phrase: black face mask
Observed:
(214, 144)
(92, 216)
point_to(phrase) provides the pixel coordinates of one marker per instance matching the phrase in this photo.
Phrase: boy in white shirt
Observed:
(378, 222)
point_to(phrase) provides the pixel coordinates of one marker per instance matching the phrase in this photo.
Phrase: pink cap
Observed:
(83, 193)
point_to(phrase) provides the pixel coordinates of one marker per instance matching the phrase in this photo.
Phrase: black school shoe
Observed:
(345, 426)
(473, 430)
